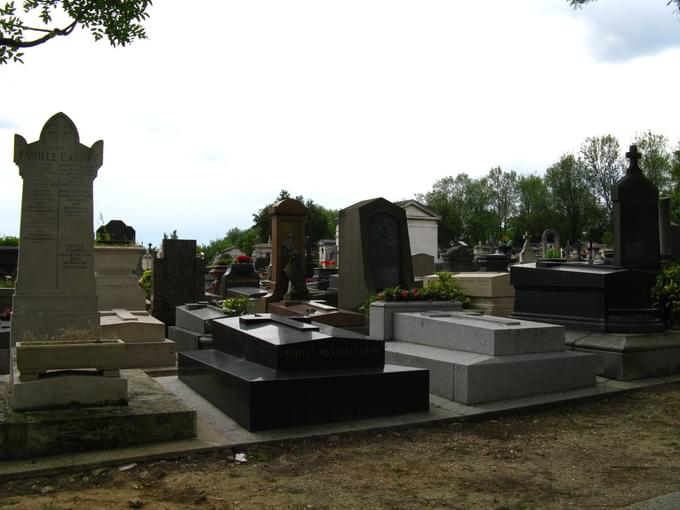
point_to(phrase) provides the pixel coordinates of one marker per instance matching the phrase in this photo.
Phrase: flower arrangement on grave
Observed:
(6, 282)
(328, 264)
(444, 288)
(235, 306)
(243, 259)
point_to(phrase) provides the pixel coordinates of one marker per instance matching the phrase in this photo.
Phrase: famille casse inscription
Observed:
(56, 216)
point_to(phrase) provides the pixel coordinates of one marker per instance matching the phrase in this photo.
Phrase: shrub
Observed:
(9, 241)
(145, 282)
(235, 306)
(666, 295)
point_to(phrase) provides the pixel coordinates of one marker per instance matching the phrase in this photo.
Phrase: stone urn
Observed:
(115, 270)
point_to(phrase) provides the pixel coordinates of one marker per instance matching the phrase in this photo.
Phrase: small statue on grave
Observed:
(294, 271)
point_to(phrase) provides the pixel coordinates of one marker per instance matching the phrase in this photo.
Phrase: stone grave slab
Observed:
(381, 314)
(494, 336)
(475, 359)
(269, 372)
(144, 338)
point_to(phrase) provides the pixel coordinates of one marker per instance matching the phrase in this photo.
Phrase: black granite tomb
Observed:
(267, 371)
(605, 298)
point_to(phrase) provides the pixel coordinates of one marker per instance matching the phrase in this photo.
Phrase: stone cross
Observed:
(634, 156)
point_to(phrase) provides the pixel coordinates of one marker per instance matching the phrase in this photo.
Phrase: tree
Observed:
(446, 199)
(119, 20)
(656, 160)
(577, 4)
(502, 198)
(572, 199)
(479, 221)
(534, 212)
(244, 240)
(604, 166)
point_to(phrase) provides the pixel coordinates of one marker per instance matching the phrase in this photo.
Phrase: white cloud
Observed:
(337, 101)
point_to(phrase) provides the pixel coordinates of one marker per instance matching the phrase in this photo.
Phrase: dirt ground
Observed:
(601, 454)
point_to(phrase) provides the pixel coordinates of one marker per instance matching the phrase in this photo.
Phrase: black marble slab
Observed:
(585, 297)
(197, 316)
(291, 344)
(261, 398)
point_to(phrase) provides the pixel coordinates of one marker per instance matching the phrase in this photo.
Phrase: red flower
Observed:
(404, 295)
(243, 259)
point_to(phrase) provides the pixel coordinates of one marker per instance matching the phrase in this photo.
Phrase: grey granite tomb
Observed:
(475, 358)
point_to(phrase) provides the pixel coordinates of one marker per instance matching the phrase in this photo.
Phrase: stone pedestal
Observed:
(490, 293)
(117, 284)
(51, 375)
(630, 356)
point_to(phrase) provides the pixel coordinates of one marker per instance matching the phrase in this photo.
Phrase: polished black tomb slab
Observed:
(261, 398)
(585, 297)
(291, 344)
(267, 371)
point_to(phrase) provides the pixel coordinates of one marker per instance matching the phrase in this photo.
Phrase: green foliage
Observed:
(119, 21)
(6, 282)
(319, 221)
(173, 235)
(552, 254)
(9, 241)
(444, 288)
(666, 295)
(145, 282)
(235, 306)
(244, 240)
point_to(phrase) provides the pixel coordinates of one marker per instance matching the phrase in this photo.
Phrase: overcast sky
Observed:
(228, 103)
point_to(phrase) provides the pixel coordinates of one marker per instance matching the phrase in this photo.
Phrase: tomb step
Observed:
(477, 333)
(261, 398)
(473, 378)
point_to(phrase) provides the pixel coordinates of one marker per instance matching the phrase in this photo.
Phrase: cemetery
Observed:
(229, 352)
(380, 335)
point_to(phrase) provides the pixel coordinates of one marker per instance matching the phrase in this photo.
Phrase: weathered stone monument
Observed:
(67, 393)
(55, 323)
(374, 249)
(288, 251)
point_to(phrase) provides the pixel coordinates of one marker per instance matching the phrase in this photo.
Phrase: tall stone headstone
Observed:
(55, 323)
(56, 295)
(374, 249)
(636, 218)
(288, 251)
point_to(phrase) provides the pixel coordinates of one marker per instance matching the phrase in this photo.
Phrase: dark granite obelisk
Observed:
(636, 219)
